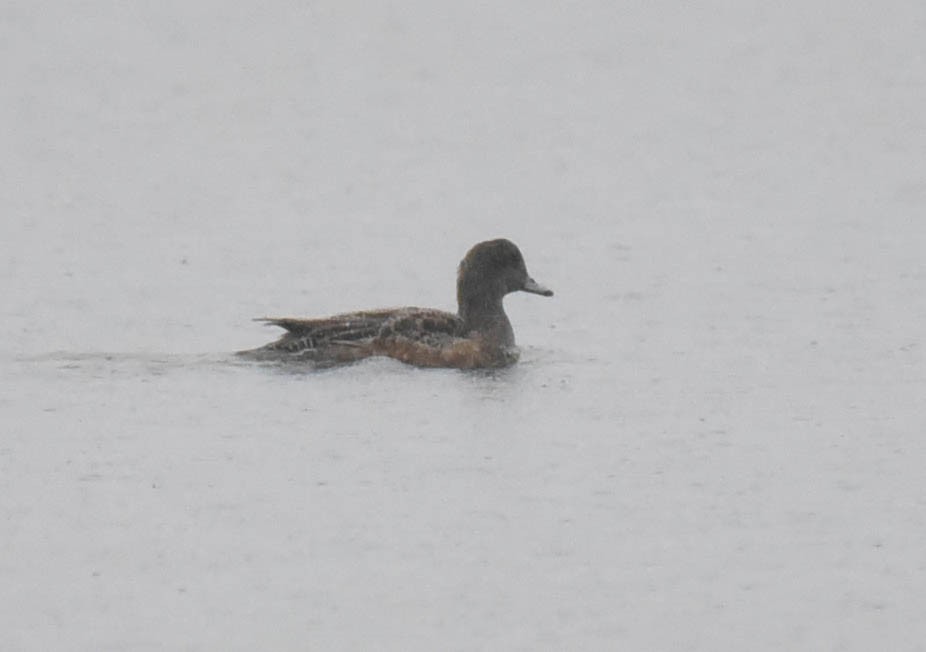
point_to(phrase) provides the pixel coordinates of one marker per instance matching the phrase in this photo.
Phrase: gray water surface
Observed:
(713, 439)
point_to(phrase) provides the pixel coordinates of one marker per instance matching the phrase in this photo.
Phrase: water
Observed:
(713, 439)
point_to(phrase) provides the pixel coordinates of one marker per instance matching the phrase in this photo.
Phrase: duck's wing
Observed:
(346, 327)
(351, 336)
(323, 337)
(432, 327)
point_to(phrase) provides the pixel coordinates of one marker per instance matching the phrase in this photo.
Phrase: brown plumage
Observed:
(480, 335)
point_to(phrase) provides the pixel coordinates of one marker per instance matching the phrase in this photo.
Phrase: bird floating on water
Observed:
(478, 335)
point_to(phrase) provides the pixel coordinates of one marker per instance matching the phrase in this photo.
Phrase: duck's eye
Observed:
(511, 258)
(505, 254)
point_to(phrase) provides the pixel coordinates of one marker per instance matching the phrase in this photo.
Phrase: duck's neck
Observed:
(486, 315)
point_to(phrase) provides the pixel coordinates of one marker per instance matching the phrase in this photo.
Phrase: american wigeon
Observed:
(479, 335)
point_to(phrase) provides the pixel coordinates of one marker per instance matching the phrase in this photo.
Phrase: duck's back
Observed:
(356, 335)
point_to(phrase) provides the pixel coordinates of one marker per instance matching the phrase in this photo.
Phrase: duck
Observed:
(478, 335)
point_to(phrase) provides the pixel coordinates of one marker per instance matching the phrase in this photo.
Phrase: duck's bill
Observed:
(534, 287)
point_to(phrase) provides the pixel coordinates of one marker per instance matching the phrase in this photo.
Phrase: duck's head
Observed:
(489, 271)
